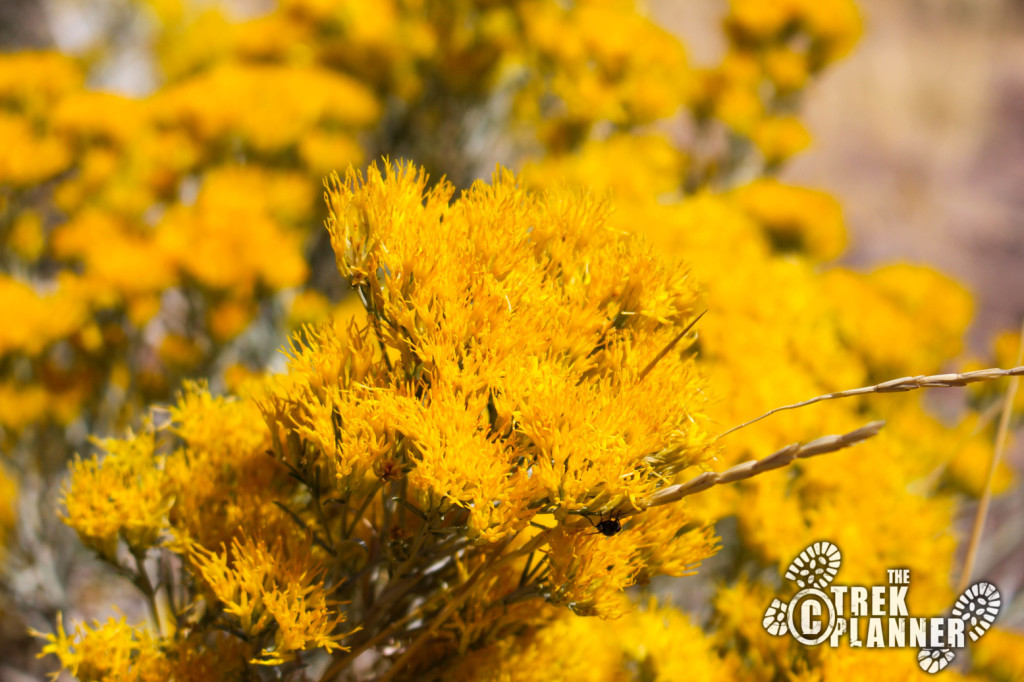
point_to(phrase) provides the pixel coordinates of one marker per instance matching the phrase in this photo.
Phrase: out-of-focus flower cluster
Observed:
(775, 49)
(145, 234)
(424, 490)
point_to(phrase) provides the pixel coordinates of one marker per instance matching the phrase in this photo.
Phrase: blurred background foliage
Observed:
(160, 216)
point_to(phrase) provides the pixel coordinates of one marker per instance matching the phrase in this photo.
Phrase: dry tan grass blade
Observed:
(997, 454)
(672, 344)
(896, 386)
(776, 460)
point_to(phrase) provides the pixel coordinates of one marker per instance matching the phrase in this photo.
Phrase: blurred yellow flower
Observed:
(41, 318)
(265, 107)
(29, 158)
(795, 218)
(118, 497)
(36, 80)
(780, 137)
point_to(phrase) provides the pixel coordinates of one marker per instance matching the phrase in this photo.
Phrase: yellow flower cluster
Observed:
(117, 651)
(153, 195)
(269, 108)
(508, 380)
(480, 430)
(117, 497)
(652, 643)
(151, 239)
(999, 655)
(567, 66)
(795, 218)
(775, 47)
(42, 319)
(598, 62)
(272, 594)
(831, 28)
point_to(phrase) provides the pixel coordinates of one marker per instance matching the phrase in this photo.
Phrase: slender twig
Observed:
(320, 513)
(520, 594)
(403, 503)
(395, 627)
(464, 591)
(145, 585)
(525, 575)
(375, 316)
(544, 562)
(400, 585)
(986, 497)
(342, 663)
(305, 526)
(896, 386)
(414, 549)
(346, 530)
(671, 344)
(776, 460)
(167, 580)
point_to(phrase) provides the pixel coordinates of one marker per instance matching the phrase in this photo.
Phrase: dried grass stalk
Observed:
(776, 460)
(671, 344)
(897, 386)
(1002, 434)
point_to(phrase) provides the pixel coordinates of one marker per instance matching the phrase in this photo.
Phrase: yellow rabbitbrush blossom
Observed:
(117, 651)
(223, 454)
(999, 654)
(30, 158)
(610, 63)
(131, 223)
(268, 108)
(539, 322)
(160, 236)
(651, 643)
(899, 302)
(437, 476)
(591, 571)
(775, 46)
(106, 189)
(106, 651)
(795, 218)
(832, 26)
(118, 497)
(273, 594)
(42, 317)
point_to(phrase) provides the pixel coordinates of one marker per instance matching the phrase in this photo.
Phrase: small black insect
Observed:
(609, 527)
